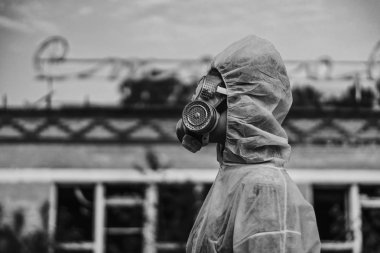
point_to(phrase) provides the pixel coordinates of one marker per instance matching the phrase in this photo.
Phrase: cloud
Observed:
(25, 17)
(28, 25)
(44, 26)
(85, 10)
(14, 25)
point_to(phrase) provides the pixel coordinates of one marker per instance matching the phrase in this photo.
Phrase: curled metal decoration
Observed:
(320, 69)
(373, 67)
(54, 51)
(51, 50)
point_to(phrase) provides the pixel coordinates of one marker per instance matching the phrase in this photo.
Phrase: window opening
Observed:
(75, 214)
(331, 206)
(176, 210)
(124, 217)
(370, 201)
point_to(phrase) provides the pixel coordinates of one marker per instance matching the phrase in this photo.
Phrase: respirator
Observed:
(200, 116)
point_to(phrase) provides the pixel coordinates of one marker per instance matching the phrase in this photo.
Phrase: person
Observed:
(253, 204)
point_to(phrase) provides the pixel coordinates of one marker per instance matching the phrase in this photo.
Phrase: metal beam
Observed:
(109, 175)
(139, 125)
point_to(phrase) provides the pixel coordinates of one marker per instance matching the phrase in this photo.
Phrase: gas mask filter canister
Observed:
(200, 116)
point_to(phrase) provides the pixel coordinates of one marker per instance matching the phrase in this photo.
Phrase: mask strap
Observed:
(221, 90)
(206, 136)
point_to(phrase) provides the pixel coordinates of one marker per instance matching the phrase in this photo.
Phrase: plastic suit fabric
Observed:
(253, 205)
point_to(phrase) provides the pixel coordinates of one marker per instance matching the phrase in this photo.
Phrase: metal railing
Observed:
(107, 125)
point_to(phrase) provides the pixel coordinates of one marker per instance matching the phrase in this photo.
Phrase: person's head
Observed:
(257, 100)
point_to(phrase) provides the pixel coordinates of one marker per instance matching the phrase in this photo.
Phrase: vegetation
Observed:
(147, 92)
(365, 97)
(306, 96)
(171, 92)
(12, 238)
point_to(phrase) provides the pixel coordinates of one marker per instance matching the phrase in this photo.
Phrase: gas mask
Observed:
(200, 116)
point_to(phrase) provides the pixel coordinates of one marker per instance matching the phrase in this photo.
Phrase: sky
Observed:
(300, 29)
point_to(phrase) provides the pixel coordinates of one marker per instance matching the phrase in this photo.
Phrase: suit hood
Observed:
(258, 99)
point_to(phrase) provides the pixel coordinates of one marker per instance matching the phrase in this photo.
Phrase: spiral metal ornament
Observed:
(52, 50)
(373, 65)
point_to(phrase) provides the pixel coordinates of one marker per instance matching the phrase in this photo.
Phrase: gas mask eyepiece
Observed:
(200, 116)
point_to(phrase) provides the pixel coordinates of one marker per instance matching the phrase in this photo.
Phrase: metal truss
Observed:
(333, 126)
(111, 125)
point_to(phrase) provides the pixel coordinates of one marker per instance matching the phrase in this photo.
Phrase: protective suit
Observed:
(253, 205)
